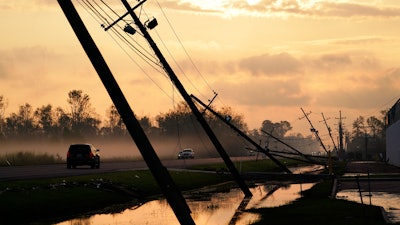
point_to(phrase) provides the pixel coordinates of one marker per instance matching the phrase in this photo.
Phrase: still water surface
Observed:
(213, 209)
(390, 202)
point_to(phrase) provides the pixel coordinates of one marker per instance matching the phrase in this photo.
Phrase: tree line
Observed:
(80, 121)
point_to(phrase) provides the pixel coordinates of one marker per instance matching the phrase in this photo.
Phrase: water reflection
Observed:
(390, 202)
(210, 209)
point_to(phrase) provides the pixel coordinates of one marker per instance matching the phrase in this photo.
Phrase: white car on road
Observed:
(186, 153)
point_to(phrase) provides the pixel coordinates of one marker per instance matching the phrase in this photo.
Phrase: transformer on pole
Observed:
(160, 173)
(199, 116)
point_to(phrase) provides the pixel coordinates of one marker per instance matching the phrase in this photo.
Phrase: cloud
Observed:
(266, 64)
(374, 91)
(25, 61)
(261, 8)
(362, 40)
(263, 92)
(286, 65)
(342, 62)
(188, 6)
(345, 79)
(27, 5)
(343, 9)
(268, 8)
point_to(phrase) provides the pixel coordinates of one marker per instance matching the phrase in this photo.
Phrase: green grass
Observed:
(29, 158)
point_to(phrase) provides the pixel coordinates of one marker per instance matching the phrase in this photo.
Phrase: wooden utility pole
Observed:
(313, 130)
(247, 138)
(160, 173)
(186, 97)
(341, 148)
(330, 134)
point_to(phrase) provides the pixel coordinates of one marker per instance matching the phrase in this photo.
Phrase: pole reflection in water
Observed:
(209, 209)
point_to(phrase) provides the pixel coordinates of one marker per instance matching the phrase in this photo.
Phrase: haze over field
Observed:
(265, 59)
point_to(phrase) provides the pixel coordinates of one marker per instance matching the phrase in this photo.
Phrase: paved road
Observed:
(60, 170)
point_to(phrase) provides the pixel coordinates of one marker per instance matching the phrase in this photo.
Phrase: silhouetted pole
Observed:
(160, 173)
(247, 138)
(341, 148)
(291, 147)
(330, 134)
(189, 101)
(314, 131)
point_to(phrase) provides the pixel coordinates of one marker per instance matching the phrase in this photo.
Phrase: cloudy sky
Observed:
(266, 59)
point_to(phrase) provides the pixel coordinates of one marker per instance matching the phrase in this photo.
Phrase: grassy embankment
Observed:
(50, 200)
(24, 158)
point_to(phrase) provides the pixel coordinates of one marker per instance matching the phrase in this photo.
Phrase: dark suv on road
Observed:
(83, 154)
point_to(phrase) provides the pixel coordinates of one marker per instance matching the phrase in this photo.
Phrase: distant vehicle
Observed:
(186, 153)
(83, 154)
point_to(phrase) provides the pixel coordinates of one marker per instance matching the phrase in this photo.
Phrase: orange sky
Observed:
(265, 58)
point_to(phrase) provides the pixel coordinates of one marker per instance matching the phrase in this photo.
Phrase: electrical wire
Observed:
(102, 14)
(123, 39)
(186, 53)
(102, 20)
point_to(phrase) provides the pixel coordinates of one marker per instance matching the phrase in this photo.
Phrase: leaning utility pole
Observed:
(160, 173)
(189, 101)
(287, 145)
(313, 130)
(341, 148)
(330, 133)
(259, 148)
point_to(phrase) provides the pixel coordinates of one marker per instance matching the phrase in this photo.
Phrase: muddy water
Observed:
(209, 209)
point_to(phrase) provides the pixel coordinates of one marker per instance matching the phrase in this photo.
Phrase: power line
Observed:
(96, 15)
(183, 47)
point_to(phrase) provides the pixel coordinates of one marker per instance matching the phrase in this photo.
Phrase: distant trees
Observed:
(278, 129)
(45, 122)
(368, 138)
(82, 115)
(21, 124)
(177, 121)
(79, 120)
(3, 106)
(181, 123)
(114, 125)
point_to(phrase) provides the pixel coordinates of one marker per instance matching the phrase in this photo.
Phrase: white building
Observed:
(393, 135)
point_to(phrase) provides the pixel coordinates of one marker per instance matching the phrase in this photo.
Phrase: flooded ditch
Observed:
(390, 202)
(207, 208)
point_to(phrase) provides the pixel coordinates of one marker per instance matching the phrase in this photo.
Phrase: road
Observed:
(60, 170)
